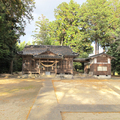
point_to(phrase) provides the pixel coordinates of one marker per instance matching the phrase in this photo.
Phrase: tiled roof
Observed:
(38, 49)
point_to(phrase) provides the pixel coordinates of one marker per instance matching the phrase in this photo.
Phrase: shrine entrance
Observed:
(47, 67)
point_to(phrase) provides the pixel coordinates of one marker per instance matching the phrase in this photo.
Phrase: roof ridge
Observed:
(97, 54)
(46, 46)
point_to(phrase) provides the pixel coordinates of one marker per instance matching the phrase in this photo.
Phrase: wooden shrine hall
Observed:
(47, 59)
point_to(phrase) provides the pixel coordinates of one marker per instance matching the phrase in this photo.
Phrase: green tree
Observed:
(41, 36)
(115, 52)
(100, 21)
(69, 30)
(67, 21)
(13, 16)
(20, 46)
(52, 31)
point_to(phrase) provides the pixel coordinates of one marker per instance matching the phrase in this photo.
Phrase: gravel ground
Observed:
(17, 97)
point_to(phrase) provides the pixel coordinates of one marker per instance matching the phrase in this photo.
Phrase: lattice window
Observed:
(25, 63)
(102, 68)
(32, 63)
(37, 64)
(59, 65)
(70, 64)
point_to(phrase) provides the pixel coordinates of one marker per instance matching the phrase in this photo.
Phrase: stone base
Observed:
(102, 76)
(62, 76)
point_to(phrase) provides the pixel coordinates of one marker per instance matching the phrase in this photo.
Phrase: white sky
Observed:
(45, 7)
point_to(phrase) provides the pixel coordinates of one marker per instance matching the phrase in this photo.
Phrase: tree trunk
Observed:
(62, 42)
(11, 67)
(96, 47)
(113, 72)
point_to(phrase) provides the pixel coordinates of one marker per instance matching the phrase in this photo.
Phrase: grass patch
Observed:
(27, 87)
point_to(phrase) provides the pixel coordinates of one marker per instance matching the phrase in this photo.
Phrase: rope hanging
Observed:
(43, 68)
(48, 65)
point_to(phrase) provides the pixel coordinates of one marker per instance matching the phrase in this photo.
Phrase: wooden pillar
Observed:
(29, 64)
(61, 67)
(55, 67)
(34, 63)
(66, 63)
(72, 67)
(39, 66)
(47, 64)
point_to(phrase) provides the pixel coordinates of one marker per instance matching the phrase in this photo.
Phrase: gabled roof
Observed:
(47, 51)
(93, 56)
(103, 53)
(38, 49)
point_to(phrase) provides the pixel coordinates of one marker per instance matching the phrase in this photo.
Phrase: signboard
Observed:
(47, 73)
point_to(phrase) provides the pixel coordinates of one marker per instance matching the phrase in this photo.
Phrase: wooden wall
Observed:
(96, 72)
(101, 62)
(31, 65)
(95, 66)
(65, 66)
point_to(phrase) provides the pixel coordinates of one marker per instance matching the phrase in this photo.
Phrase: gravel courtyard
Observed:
(83, 99)
(89, 99)
(88, 92)
(17, 97)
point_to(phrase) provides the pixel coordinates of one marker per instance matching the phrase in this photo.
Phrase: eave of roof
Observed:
(47, 56)
(66, 51)
(80, 60)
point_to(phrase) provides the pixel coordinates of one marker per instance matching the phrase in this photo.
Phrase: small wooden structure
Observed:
(46, 59)
(98, 65)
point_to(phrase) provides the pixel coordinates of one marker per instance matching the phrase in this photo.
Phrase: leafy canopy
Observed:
(101, 20)
(13, 16)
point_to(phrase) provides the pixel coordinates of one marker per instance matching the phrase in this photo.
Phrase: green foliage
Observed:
(20, 46)
(67, 21)
(101, 20)
(52, 31)
(13, 16)
(69, 30)
(41, 37)
(79, 67)
(115, 52)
